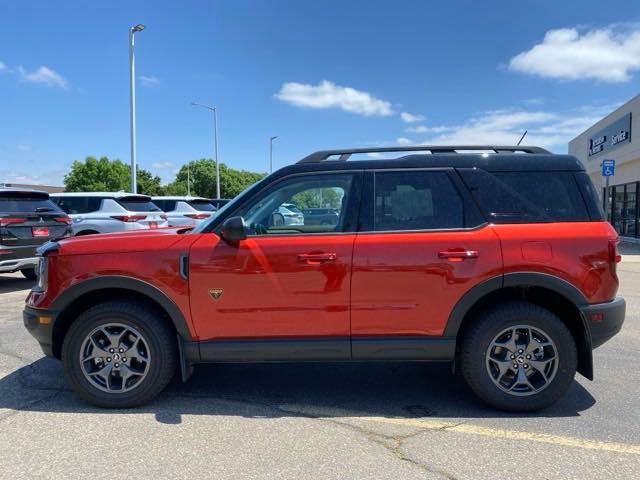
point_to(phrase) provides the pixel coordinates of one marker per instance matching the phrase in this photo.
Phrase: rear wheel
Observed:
(119, 354)
(29, 273)
(518, 357)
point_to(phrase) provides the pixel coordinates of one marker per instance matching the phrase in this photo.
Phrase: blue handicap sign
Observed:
(608, 168)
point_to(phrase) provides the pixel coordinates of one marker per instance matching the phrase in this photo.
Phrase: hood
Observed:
(124, 242)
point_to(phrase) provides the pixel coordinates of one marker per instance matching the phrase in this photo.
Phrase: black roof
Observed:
(490, 158)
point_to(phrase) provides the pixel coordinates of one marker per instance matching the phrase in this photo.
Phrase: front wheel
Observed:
(119, 354)
(518, 357)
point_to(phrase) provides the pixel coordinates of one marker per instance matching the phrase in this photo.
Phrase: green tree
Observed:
(201, 174)
(318, 198)
(105, 175)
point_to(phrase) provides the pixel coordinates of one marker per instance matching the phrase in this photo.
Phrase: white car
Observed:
(109, 212)
(185, 211)
(291, 214)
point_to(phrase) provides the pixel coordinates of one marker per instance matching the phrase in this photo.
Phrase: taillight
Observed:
(64, 219)
(197, 216)
(4, 221)
(129, 218)
(614, 254)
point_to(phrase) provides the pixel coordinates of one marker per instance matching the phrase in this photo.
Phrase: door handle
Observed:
(316, 258)
(458, 254)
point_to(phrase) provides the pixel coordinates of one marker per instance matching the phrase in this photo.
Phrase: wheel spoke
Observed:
(541, 366)
(132, 364)
(503, 367)
(509, 344)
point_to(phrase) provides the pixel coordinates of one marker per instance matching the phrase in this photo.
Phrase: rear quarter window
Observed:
(526, 197)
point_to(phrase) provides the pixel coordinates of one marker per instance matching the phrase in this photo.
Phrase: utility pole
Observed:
(271, 139)
(213, 109)
(132, 103)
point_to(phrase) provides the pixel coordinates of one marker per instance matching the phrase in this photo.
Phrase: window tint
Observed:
(73, 205)
(165, 205)
(279, 209)
(26, 204)
(138, 204)
(524, 197)
(202, 205)
(416, 200)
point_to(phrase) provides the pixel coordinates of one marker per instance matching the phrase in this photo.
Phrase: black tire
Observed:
(158, 335)
(479, 336)
(29, 273)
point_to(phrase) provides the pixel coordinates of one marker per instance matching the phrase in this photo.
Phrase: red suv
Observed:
(499, 260)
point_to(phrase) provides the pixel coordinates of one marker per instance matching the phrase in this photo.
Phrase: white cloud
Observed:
(149, 81)
(165, 164)
(609, 54)
(43, 75)
(418, 129)
(411, 118)
(329, 95)
(3, 66)
(551, 130)
(404, 141)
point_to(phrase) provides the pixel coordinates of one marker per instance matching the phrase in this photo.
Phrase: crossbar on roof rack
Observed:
(345, 154)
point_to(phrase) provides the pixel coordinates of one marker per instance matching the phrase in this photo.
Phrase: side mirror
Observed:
(233, 230)
(277, 219)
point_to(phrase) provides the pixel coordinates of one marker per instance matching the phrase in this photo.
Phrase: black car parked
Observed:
(320, 216)
(27, 220)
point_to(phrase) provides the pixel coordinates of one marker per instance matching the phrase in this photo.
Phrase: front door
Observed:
(283, 293)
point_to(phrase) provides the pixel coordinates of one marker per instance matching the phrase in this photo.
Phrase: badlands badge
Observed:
(215, 293)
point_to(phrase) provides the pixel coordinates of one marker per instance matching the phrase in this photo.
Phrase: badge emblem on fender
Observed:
(215, 293)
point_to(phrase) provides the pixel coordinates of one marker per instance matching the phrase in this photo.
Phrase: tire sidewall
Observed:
(88, 322)
(475, 370)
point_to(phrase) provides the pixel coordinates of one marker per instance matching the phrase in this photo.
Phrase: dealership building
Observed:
(612, 138)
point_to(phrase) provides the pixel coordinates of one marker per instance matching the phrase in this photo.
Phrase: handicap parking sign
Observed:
(608, 168)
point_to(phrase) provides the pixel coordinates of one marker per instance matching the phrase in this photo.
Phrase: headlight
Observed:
(43, 271)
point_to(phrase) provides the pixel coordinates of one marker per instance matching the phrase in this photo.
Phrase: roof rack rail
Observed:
(344, 154)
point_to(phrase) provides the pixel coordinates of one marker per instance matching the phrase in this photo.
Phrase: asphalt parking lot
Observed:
(365, 421)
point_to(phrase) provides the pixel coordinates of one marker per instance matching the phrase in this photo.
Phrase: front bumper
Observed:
(15, 264)
(39, 323)
(604, 319)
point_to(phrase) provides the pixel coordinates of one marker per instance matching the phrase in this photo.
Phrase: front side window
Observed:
(416, 200)
(279, 210)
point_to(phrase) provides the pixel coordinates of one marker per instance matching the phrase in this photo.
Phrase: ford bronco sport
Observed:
(495, 258)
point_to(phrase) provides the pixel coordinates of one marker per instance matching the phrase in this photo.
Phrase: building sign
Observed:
(616, 134)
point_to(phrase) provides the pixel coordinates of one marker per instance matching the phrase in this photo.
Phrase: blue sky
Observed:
(320, 74)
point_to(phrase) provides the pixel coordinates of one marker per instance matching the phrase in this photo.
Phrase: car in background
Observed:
(109, 212)
(27, 220)
(321, 216)
(219, 202)
(184, 210)
(291, 214)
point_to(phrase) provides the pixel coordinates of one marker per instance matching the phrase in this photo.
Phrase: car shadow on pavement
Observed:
(14, 284)
(397, 390)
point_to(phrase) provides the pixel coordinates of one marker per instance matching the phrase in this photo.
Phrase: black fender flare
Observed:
(70, 295)
(527, 279)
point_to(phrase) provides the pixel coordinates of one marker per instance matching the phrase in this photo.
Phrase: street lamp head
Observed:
(273, 138)
(137, 28)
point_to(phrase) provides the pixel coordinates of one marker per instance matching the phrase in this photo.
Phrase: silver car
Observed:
(109, 212)
(185, 211)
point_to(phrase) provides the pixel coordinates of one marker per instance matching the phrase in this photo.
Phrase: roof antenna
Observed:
(522, 138)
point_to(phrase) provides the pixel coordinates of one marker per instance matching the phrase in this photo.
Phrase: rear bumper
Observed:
(604, 319)
(15, 264)
(39, 324)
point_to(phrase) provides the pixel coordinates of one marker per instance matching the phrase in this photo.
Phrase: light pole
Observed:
(132, 102)
(213, 109)
(271, 139)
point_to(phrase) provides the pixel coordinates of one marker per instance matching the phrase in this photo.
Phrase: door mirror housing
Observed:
(233, 230)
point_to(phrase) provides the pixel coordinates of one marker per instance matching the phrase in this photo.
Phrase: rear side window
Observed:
(138, 204)
(26, 204)
(525, 197)
(416, 200)
(165, 205)
(202, 205)
(73, 205)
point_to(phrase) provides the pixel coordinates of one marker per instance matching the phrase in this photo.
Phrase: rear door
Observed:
(422, 246)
